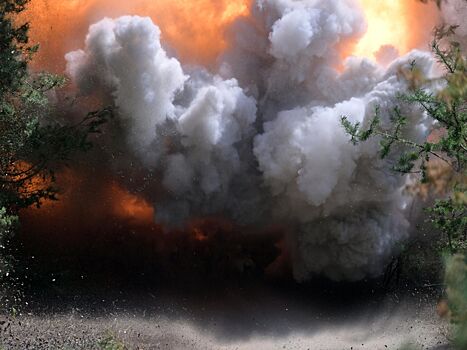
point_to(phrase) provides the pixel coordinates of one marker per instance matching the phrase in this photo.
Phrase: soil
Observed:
(241, 317)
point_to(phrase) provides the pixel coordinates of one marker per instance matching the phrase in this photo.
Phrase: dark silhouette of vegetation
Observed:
(32, 144)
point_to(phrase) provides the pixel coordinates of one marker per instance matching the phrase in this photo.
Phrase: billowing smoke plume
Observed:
(260, 142)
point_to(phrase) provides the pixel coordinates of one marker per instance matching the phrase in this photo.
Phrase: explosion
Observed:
(396, 23)
(130, 206)
(201, 39)
(194, 29)
(234, 107)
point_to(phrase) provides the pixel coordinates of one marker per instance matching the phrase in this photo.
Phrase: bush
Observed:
(440, 164)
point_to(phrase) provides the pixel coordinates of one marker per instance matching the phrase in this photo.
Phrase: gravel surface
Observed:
(243, 319)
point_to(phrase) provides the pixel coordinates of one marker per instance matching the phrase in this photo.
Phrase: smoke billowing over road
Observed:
(253, 136)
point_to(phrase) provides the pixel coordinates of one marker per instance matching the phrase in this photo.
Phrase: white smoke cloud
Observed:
(305, 152)
(126, 57)
(202, 128)
(261, 141)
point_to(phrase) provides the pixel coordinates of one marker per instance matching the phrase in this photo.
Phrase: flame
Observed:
(403, 24)
(193, 30)
(79, 197)
(199, 235)
(130, 206)
(386, 26)
(29, 180)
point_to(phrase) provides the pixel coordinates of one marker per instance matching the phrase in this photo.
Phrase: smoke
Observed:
(260, 141)
(126, 56)
(454, 13)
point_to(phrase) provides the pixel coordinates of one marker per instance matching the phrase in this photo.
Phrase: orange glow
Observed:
(30, 178)
(193, 29)
(130, 206)
(68, 179)
(404, 24)
(199, 235)
(79, 197)
(386, 25)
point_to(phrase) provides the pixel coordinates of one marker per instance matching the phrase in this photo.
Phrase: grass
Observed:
(111, 342)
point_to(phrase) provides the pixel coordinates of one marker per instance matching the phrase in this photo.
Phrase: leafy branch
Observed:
(448, 114)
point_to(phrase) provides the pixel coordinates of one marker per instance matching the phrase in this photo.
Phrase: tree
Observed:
(32, 144)
(440, 163)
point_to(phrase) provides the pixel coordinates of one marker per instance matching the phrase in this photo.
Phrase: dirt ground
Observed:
(253, 318)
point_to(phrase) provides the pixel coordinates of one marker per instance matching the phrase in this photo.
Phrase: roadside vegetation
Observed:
(438, 167)
(111, 342)
(33, 145)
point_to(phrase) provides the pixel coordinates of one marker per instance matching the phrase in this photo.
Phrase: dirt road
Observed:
(233, 318)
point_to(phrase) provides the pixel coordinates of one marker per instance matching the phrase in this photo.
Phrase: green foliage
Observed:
(7, 225)
(110, 342)
(14, 48)
(33, 145)
(355, 131)
(448, 111)
(449, 216)
(456, 291)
